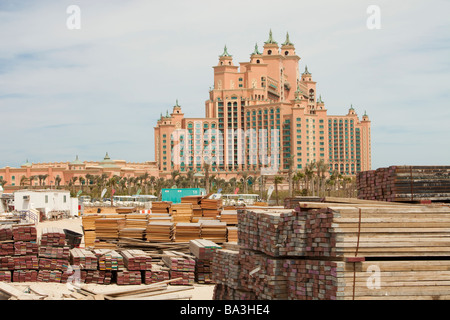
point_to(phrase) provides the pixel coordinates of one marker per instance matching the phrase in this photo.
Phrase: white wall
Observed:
(45, 201)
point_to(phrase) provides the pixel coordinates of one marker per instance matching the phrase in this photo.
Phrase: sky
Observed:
(101, 88)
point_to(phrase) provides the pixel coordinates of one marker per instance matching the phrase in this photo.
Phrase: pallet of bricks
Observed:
(338, 251)
(405, 184)
(203, 251)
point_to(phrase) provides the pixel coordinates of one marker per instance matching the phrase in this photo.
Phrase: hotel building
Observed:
(262, 116)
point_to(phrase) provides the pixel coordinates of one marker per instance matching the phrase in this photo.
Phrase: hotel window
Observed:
(46, 199)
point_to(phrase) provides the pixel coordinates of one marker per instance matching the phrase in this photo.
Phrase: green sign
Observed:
(79, 192)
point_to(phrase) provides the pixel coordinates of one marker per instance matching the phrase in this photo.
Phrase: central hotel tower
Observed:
(262, 116)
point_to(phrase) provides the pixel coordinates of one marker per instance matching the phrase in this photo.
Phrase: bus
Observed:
(238, 199)
(138, 200)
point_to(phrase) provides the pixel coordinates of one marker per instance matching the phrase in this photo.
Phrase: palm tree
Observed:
(57, 181)
(3, 182)
(206, 167)
(82, 182)
(244, 180)
(309, 173)
(322, 168)
(290, 172)
(277, 180)
(24, 180)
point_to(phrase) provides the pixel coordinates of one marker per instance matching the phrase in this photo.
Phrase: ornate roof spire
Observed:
(306, 70)
(270, 40)
(256, 50)
(225, 52)
(287, 42)
(320, 99)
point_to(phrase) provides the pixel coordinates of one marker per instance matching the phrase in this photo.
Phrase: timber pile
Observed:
(180, 266)
(24, 232)
(136, 260)
(7, 249)
(232, 234)
(126, 277)
(125, 210)
(134, 233)
(203, 250)
(23, 248)
(109, 260)
(211, 207)
(156, 274)
(342, 247)
(213, 230)
(108, 228)
(5, 276)
(88, 223)
(159, 217)
(161, 206)
(186, 231)
(160, 231)
(25, 276)
(53, 264)
(229, 217)
(84, 259)
(98, 276)
(136, 220)
(405, 184)
(6, 233)
(181, 212)
(49, 276)
(197, 211)
(292, 203)
(53, 252)
(51, 236)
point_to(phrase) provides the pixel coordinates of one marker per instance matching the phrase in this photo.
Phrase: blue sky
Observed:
(101, 88)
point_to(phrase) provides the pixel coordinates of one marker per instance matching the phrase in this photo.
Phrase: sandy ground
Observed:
(56, 290)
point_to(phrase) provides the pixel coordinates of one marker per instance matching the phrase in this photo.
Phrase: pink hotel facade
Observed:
(259, 116)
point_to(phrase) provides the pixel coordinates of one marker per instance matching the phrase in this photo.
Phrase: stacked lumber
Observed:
(6, 263)
(7, 249)
(49, 276)
(51, 236)
(156, 274)
(180, 266)
(25, 276)
(126, 277)
(53, 252)
(161, 206)
(229, 217)
(213, 230)
(159, 217)
(211, 207)
(160, 231)
(379, 231)
(6, 232)
(292, 203)
(203, 250)
(232, 234)
(53, 264)
(105, 244)
(125, 210)
(109, 260)
(108, 228)
(88, 223)
(24, 232)
(185, 231)
(197, 211)
(137, 220)
(98, 276)
(224, 292)
(5, 276)
(84, 259)
(226, 268)
(181, 212)
(22, 248)
(134, 233)
(136, 260)
(405, 184)
(25, 262)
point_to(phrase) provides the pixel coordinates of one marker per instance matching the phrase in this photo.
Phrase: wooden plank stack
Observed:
(5, 276)
(25, 276)
(180, 266)
(23, 248)
(159, 217)
(229, 217)
(156, 274)
(161, 206)
(109, 260)
(7, 249)
(185, 231)
(108, 228)
(127, 277)
(213, 230)
(6, 232)
(160, 231)
(136, 260)
(134, 233)
(88, 223)
(360, 250)
(405, 184)
(232, 234)
(197, 211)
(51, 236)
(211, 207)
(24, 232)
(203, 250)
(181, 212)
(84, 259)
